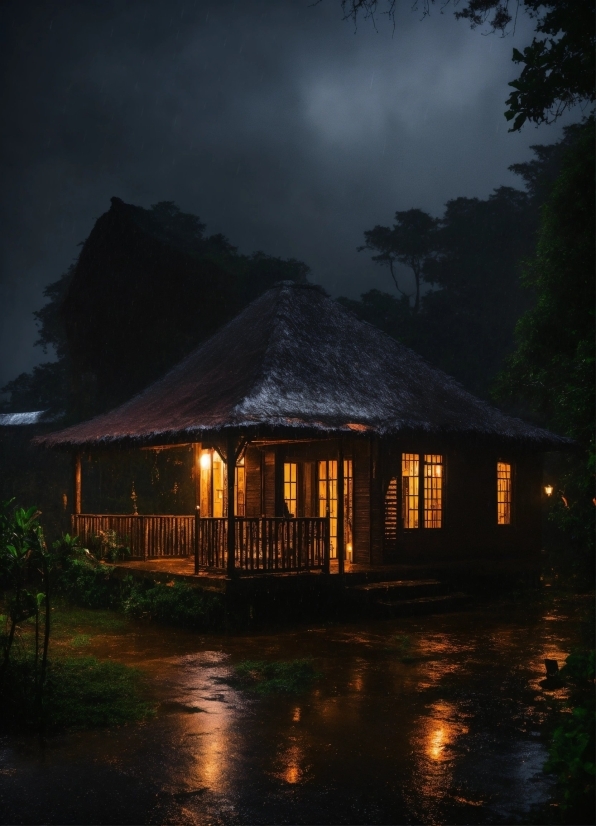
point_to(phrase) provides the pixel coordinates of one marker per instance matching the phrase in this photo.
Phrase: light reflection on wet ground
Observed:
(416, 720)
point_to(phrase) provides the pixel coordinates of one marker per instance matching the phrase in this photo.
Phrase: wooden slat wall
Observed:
(269, 483)
(376, 507)
(252, 463)
(361, 471)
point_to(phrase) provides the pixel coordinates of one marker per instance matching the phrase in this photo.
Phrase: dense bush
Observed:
(175, 604)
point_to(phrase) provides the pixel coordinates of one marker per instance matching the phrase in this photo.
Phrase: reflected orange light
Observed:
(292, 765)
(436, 743)
(296, 715)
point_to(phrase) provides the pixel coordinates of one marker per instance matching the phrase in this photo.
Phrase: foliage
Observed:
(558, 66)
(571, 751)
(552, 369)
(174, 604)
(81, 692)
(277, 677)
(106, 545)
(24, 580)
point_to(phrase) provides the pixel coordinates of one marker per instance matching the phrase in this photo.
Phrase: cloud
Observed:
(276, 123)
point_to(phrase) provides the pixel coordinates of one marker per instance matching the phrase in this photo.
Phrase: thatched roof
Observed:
(297, 363)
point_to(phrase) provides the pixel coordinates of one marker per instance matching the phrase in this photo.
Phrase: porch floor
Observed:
(182, 568)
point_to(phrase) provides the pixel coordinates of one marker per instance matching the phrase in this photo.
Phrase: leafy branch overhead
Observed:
(558, 66)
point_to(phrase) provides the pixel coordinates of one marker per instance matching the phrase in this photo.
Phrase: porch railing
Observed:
(266, 544)
(147, 537)
(263, 544)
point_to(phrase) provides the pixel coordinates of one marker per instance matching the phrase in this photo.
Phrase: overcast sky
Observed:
(274, 121)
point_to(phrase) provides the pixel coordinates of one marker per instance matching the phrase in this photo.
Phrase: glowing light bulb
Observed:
(548, 489)
(205, 461)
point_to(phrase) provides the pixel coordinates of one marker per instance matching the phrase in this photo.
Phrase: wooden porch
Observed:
(262, 545)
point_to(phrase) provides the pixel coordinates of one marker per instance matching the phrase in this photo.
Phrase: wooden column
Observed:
(341, 545)
(76, 483)
(197, 477)
(231, 465)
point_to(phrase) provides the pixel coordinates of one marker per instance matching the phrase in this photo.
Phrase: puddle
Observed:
(414, 720)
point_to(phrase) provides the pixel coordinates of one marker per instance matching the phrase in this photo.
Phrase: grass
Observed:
(278, 677)
(82, 691)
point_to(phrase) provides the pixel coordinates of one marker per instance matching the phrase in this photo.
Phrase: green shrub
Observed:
(175, 604)
(282, 677)
(87, 584)
(571, 751)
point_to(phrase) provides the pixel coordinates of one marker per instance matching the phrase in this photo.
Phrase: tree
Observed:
(411, 241)
(552, 368)
(558, 66)
(147, 288)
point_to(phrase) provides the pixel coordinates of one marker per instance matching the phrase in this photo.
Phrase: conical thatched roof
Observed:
(297, 363)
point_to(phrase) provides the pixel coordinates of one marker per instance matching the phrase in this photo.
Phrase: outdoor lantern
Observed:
(548, 489)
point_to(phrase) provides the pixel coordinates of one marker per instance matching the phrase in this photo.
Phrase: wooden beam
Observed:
(76, 483)
(231, 466)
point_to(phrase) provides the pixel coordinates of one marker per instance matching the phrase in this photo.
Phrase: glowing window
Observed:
(328, 500)
(410, 472)
(328, 503)
(433, 490)
(503, 493)
(291, 488)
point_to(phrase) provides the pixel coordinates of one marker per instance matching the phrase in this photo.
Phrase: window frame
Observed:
(420, 456)
(511, 464)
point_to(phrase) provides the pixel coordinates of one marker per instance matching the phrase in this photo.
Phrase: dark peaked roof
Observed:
(296, 360)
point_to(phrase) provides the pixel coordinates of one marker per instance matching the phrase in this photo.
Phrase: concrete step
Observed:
(423, 605)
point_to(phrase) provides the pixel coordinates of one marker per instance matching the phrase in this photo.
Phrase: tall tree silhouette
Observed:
(411, 241)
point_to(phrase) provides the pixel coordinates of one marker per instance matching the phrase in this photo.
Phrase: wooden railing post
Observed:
(327, 544)
(76, 483)
(231, 544)
(197, 537)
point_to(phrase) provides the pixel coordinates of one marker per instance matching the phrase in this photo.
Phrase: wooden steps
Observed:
(402, 597)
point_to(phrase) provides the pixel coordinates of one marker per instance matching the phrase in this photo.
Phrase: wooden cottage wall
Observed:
(362, 523)
(269, 482)
(252, 464)
(377, 511)
(470, 530)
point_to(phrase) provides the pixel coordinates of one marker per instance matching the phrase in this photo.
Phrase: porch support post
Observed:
(76, 482)
(231, 465)
(196, 455)
(341, 549)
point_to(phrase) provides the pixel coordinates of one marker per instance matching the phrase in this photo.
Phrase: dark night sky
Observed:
(273, 121)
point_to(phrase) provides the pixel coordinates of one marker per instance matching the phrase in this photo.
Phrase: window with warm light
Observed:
(328, 500)
(433, 490)
(410, 481)
(327, 481)
(504, 493)
(417, 473)
(291, 488)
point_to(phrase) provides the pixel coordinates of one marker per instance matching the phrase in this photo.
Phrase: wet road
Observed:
(414, 720)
